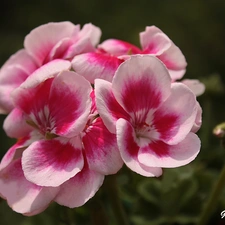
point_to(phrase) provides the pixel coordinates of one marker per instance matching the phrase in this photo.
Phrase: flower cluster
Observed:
(80, 110)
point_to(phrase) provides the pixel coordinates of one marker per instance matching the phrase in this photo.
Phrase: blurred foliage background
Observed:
(198, 28)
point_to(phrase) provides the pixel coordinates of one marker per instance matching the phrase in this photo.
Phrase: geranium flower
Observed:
(63, 148)
(112, 52)
(62, 40)
(152, 118)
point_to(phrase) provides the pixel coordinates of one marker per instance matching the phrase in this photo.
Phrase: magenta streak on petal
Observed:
(63, 153)
(165, 124)
(105, 60)
(64, 108)
(129, 145)
(115, 109)
(160, 148)
(139, 97)
(32, 100)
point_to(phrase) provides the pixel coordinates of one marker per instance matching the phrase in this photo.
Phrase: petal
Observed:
(80, 188)
(31, 89)
(174, 60)
(118, 47)
(69, 103)
(176, 74)
(22, 59)
(51, 162)
(129, 149)
(140, 85)
(196, 86)
(42, 39)
(107, 106)
(49, 70)
(15, 124)
(91, 32)
(15, 151)
(85, 41)
(160, 154)
(101, 149)
(174, 119)
(10, 78)
(96, 65)
(23, 196)
(154, 44)
(198, 119)
(147, 35)
(32, 100)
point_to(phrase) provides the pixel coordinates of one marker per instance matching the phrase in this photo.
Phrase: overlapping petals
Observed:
(79, 113)
(62, 40)
(153, 118)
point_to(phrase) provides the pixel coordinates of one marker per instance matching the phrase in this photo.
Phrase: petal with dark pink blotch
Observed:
(140, 85)
(52, 162)
(22, 196)
(15, 124)
(80, 188)
(101, 149)
(160, 154)
(107, 106)
(96, 65)
(69, 103)
(174, 119)
(127, 142)
(40, 41)
(118, 47)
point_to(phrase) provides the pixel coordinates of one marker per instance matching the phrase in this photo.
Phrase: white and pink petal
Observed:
(22, 196)
(141, 84)
(118, 47)
(69, 103)
(15, 124)
(107, 106)
(128, 147)
(101, 149)
(160, 154)
(174, 119)
(96, 65)
(80, 188)
(51, 162)
(40, 41)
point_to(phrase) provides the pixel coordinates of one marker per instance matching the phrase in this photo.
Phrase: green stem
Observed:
(213, 199)
(117, 207)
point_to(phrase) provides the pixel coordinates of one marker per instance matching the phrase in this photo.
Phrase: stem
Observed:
(117, 207)
(213, 198)
(97, 211)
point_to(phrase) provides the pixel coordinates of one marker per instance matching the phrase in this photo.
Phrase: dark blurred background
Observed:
(198, 28)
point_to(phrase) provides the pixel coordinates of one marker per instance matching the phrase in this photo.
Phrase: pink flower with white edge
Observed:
(64, 149)
(112, 52)
(62, 40)
(152, 117)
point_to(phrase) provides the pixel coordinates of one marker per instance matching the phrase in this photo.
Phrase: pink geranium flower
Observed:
(62, 40)
(63, 148)
(112, 52)
(153, 119)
